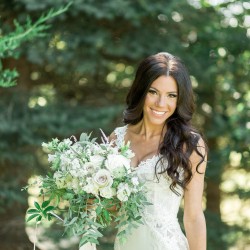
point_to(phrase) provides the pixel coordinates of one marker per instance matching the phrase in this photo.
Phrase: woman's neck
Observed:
(148, 131)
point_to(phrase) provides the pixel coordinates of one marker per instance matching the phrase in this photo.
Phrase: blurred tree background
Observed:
(76, 78)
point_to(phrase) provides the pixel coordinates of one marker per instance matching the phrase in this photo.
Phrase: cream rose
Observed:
(102, 178)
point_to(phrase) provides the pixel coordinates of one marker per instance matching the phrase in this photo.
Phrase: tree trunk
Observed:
(213, 197)
(213, 192)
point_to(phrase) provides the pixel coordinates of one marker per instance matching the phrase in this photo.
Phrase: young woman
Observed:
(170, 155)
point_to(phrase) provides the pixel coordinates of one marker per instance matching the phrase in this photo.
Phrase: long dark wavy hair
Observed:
(181, 138)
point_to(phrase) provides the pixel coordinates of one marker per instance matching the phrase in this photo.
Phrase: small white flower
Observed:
(73, 172)
(135, 181)
(114, 150)
(82, 173)
(67, 142)
(74, 185)
(123, 191)
(103, 178)
(59, 180)
(107, 192)
(97, 150)
(65, 161)
(119, 172)
(91, 188)
(51, 157)
(76, 164)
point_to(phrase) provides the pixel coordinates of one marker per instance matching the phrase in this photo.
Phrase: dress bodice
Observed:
(160, 217)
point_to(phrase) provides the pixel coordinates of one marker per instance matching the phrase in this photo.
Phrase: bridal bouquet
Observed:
(90, 185)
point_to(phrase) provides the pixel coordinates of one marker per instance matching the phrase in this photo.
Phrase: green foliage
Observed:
(22, 33)
(39, 212)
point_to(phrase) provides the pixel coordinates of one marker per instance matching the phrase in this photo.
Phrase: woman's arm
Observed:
(194, 220)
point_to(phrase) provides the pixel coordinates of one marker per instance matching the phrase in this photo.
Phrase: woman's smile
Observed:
(161, 100)
(158, 113)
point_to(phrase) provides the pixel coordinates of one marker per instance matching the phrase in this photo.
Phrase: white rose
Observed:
(97, 160)
(123, 191)
(89, 167)
(103, 178)
(115, 161)
(107, 192)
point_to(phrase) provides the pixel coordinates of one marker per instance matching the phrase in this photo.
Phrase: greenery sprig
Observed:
(22, 33)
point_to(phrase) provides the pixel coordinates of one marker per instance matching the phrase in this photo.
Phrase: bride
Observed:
(170, 156)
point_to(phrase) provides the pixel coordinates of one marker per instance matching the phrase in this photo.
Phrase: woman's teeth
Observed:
(158, 112)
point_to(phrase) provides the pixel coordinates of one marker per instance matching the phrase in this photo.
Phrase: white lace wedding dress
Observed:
(161, 229)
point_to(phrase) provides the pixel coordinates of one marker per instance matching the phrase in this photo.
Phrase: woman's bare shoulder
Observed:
(112, 136)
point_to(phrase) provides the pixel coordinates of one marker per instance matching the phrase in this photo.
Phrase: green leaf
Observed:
(31, 211)
(98, 210)
(32, 217)
(72, 221)
(49, 208)
(94, 241)
(39, 218)
(37, 206)
(106, 215)
(45, 203)
(83, 241)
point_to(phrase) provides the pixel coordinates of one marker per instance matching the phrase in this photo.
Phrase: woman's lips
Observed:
(158, 113)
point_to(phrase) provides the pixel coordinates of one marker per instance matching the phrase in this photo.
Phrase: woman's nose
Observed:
(161, 102)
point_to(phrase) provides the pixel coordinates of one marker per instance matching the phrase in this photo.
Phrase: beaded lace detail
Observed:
(161, 230)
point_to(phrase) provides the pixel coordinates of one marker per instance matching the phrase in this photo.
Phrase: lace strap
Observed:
(120, 133)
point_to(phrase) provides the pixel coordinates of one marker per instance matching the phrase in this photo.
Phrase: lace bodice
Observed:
(161, 225)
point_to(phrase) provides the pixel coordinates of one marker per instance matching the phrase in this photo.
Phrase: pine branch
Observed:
(10, 42)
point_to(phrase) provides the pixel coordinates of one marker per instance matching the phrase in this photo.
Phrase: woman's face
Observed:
(161, 100)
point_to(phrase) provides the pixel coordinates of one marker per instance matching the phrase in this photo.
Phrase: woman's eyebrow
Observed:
(167, 92)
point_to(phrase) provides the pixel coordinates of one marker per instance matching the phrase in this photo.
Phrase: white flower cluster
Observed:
(99, 169)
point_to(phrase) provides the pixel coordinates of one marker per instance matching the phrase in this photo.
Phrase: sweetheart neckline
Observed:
(145, 161)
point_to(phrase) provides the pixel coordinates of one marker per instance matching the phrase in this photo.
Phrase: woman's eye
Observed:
(151, 91)
(172, 95)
